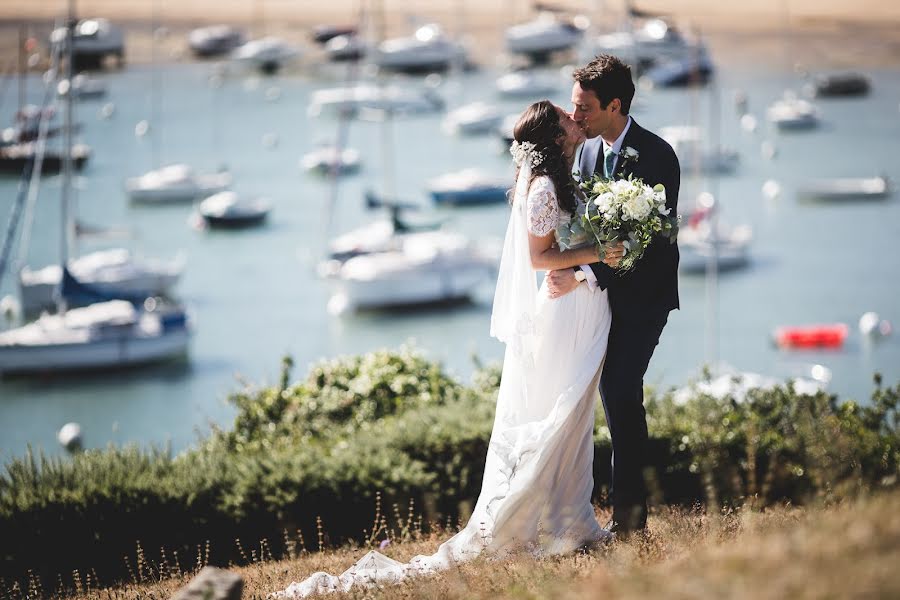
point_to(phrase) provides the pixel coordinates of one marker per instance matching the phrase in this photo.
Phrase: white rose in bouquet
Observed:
(627, 211)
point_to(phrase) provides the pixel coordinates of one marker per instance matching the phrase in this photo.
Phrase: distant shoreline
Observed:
(825, 34)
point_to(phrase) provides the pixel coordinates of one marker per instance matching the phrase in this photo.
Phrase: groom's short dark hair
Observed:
(609, 78)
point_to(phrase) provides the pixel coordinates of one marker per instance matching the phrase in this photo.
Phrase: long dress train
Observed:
(538, 476)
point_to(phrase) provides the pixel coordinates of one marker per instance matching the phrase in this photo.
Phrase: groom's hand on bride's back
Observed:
(561, 282)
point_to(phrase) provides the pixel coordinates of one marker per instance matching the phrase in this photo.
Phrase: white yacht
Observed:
(229, 210)
(366, 97)
(474, 118)
(428, 49)
(267, 54)
(426, 267)
(526, 84)
(326, 159)
(843, 189)
(698, 243)
(694, 156)
(103, 335)
(791, 112)
(93, 39)
(542, 36)
(175, 183)
(115, 272)
(655, 41)
(214, 40)
(468, 187)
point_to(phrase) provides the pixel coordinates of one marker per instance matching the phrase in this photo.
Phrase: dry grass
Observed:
(849, 550)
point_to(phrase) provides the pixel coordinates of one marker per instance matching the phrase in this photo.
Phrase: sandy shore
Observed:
(824, 33)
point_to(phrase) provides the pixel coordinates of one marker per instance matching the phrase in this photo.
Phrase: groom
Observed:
(641, 299)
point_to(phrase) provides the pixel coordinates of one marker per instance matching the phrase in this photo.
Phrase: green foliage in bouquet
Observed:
(627, 211)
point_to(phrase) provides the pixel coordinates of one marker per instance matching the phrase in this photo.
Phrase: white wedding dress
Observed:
(538, 477)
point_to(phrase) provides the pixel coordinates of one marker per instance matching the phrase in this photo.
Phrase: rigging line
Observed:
(14, 216)
(40, 145)
(343, 132)
(8, 69)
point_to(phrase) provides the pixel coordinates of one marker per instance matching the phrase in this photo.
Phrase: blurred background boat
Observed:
(114, 272)
(839, 85)
(93, 40)
(351, 100)
(467, 187)
(175, 183)
(428, 49)
(792, 113)
(104, 335)
(694, 155)
(214, 40)
(541, 37)
(327, 159)
(474, 118)
(425, 268)
(268, 55)
(845, 189)
(701, 240)
(227, 210)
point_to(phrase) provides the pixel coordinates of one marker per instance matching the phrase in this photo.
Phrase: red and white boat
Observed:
(829, 335)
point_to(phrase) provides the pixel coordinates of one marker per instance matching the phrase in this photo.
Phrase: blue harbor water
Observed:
(255, 296)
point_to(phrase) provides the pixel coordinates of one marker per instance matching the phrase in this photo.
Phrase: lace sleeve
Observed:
(543, 209)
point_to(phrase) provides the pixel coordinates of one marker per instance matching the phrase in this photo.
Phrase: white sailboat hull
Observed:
(415, 286)
(107, 353)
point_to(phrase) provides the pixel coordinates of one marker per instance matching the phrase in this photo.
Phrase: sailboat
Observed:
(428, 49)
(107, 333)
(171, 183)
(18, 147)
(114, 272)
(398, 265)
(790, 112)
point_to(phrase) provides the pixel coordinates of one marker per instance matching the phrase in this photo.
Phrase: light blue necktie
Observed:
(609, 159)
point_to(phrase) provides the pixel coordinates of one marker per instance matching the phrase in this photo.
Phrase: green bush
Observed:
(397, 425)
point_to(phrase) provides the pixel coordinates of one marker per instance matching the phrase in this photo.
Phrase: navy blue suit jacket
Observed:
(653, 283)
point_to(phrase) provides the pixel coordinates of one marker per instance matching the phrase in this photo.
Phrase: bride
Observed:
(536, 492)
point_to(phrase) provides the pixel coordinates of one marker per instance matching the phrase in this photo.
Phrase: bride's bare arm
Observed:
(546, 256)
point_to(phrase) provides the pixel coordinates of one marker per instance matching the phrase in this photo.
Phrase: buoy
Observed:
(70, 437)
(873, 325)
(749, 123)
(830, 335)
(771, 189)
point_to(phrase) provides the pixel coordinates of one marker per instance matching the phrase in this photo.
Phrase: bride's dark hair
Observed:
(540, 125)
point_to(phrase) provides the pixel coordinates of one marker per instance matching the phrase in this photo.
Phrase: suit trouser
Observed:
(632, 340)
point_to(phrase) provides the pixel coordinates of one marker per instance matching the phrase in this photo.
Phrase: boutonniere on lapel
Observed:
(628, 153)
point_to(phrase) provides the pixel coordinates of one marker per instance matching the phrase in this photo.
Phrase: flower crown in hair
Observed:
(525, 151)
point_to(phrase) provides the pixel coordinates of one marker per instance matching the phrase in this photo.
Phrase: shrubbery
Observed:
(394, 423)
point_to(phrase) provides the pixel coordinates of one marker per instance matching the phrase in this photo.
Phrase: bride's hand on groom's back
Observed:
(561, 282)
(613, 255)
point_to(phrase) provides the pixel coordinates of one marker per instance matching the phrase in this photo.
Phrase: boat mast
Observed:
(23, 66)
(712, 261)
(68, 223)
(155, 129)
(343, 131)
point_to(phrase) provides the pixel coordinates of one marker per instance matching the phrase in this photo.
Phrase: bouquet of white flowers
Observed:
(627, 211)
